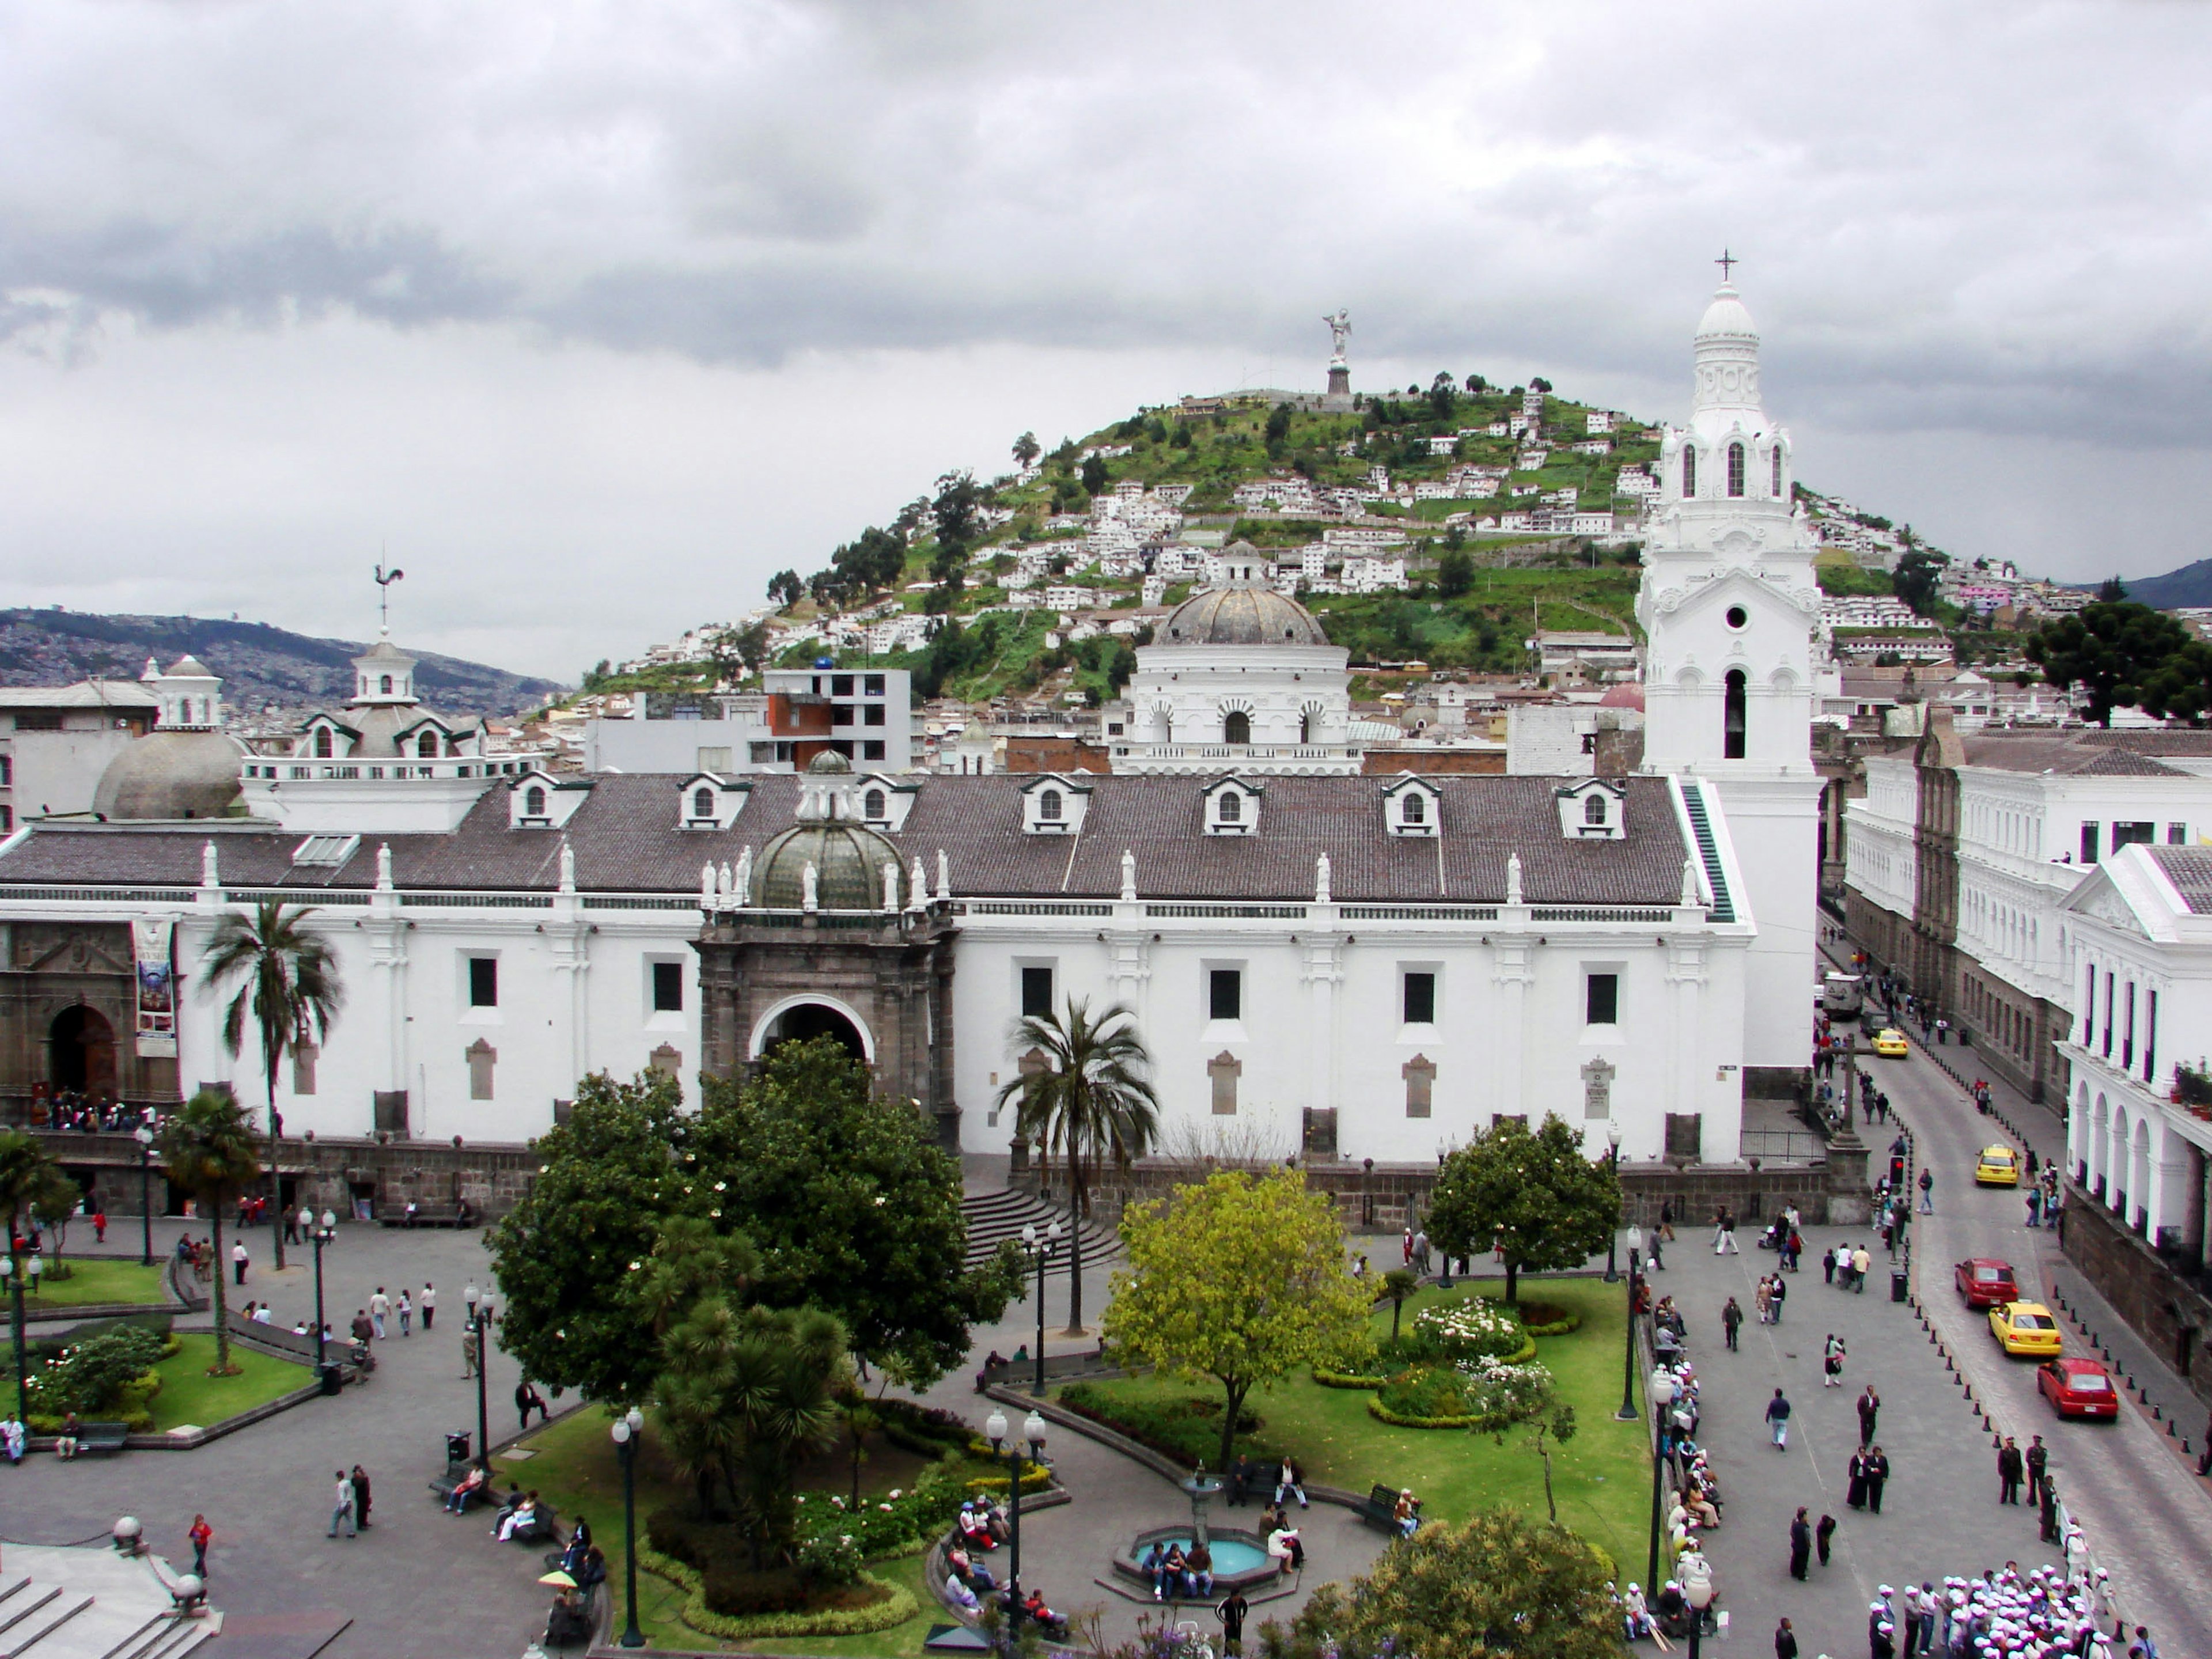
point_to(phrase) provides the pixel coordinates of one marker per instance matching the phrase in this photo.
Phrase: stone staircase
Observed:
(994, 1216)
(87, 1602)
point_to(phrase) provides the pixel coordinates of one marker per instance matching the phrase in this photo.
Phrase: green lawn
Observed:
(189, 1395)
(574, 1468)
(104, 1279)
(1602, 1478)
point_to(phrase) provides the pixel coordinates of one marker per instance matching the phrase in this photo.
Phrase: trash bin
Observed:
(1897, 1283)
(457, 1446)
(332, 1379)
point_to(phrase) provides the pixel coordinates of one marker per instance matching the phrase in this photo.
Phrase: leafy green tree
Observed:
(1241, 1279)
(2180, 688)
(2111, 590)
(1027, 449)
(876, 559)
(571, 1256)
(1498, 1586)
(1093, 474)
(1444, 395)
(784, 588)
(1455, 572)
(25, 1167)
(291, 991)
(1919, 578)
(956, 511)
(852, 1209)
(53, 1206)
(208, 1148)
(1399, 1284)
(1089, 1102)
(2109, 652)
(1533, 1195)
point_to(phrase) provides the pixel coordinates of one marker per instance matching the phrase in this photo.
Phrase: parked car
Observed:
(2078, 1388)
(1891, 1044)
(2024, 1327)
(1997, 1166)
(1985, 1282)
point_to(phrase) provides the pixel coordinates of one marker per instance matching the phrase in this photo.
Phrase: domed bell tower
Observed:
(1729, 605)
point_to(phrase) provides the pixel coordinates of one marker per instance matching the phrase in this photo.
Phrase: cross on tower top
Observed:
(1725, 262)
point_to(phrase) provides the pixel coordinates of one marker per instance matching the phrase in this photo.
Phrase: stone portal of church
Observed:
(68, 1015)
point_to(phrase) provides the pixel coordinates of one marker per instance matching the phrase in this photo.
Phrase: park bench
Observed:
(101, 1439)
(1379, 1508)
(456, 1469)
(543, 1528)
(428, 1215)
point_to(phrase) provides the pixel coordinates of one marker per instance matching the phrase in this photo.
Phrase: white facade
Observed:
(1727, 605)
(870, 710)
(55, 742)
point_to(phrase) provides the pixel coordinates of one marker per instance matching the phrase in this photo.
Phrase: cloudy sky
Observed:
(593, 315)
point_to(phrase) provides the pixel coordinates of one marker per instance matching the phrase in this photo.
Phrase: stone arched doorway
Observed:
(80, 1051)
(801, 1021)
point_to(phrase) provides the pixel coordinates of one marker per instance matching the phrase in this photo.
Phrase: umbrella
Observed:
(558, 1579)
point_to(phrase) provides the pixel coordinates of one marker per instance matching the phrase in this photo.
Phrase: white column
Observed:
(1513, 969)
(1685, 981)
(1322, 968)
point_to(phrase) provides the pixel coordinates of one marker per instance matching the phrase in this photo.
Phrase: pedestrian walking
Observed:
(528, 1399)
(1870, 1409)
(1232, 1612)
(1731, 1321)
(1861, 1268)
(380, 1306)
(1928, 1192)
(1855, 1493)
(405, 1310)
(1828, 1264)
(360, 1494)
(99, 1227)
(341, 1506)
(468, 1354)
(1777, 1294)
(1877, 1477)
(292, 1226)
(1724, 1233)
(428, 1303)
(1763, 1299)
(1777, 1423)
(2035, 1206)
(2038, 1459)
(1911, 1643)
(2011, 1467)
(238, 1260)
(1800, 1545)
(1832, 1362)
(1785, 1640)
(199, 1535)
(1822, 1536)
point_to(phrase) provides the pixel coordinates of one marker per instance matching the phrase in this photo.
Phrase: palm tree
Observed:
(293, 992)
(208, 1150)
(25, 1167)
(1091, 1101)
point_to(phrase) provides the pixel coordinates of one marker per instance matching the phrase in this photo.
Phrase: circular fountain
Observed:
(1240, 1556)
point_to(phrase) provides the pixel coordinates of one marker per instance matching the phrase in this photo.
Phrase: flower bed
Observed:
(1479, 1394)
(874, 1605)
(1187, 1430)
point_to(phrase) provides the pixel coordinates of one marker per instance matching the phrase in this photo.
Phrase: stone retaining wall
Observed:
(2161, 1307)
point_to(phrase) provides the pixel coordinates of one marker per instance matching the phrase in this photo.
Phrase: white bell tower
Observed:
(1729, 605)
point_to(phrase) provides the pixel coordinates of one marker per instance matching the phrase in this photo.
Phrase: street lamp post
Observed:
(1033, 1433)
(144, 1137)
(626, 1431)
(15, 1270)
(1627, 1412)
(321, 1235)
(1663, 1400)
(480, 1311)
(1612, 1161)
(1698, 1588)
(1040, 1246)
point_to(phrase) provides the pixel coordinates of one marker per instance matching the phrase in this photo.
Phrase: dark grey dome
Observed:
(171, 775)
(1240, 613)
(848, 860)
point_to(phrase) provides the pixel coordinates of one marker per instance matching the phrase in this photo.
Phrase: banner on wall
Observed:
(151, 943)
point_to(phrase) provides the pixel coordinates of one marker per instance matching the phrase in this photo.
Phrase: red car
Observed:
(1986, 1282)
(2078, 1388)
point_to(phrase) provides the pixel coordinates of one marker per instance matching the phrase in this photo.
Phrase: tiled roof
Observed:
(2190, 870)
(625, 839)
(2081, 754)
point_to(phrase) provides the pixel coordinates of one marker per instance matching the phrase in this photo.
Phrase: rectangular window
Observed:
(2108, 1014)
(1601, 999)
(6, 770)
(872, 686)
(2088, 843)
(1419, 1000)
(1037, 992)
(1224, 994)
(840, 714)
(7, 820)
(2176, 835)
(667, 988)
(2089, 1011)
(2150, 1036)
(2128, 835)
(303, 1068)
(483, 982)
(841, 686)
(872, 714)
(2128, 1041)
(872, 748)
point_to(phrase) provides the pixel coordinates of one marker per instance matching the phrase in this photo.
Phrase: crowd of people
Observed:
(88, 1114)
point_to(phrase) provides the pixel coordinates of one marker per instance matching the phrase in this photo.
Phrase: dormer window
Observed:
(1230, 808)
(426, 746)
(322, 743)
(533, 802)
(1593, 809)
(1055, 805)
(1412, 807)
(1049, 804)
(1416, 809)
(702, 804)
(875, 805)
(384, 685)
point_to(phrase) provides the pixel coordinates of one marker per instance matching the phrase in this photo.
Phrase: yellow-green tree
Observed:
(1241, 1279)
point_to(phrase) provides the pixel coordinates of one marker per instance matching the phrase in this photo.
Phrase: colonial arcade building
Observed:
(1360, 967)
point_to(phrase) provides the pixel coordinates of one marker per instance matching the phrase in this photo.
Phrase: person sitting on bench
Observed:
(1406, 1515)
(463, 1489)
(523, 1515)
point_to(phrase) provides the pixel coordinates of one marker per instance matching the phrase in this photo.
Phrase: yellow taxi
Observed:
(1890, 1043)
(1997, 1166)
(2025, 1327)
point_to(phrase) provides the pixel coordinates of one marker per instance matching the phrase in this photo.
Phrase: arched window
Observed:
(1778, 472)
(1735, 469)
(1048, 806)
(702, 804)
(1237, 728)
(384, 686)
(323, 742)
(1232, 808)
(1593, 808)
(533, 802)
(1416, 809)
(1732, 716)
(426, 746)
(1689, 472)
(1305, 727)
(873, 803)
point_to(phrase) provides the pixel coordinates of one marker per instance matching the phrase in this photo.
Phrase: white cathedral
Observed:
(1367, 967)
